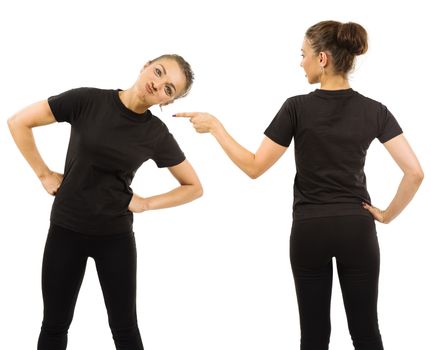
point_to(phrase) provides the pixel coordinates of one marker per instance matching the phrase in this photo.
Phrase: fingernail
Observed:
(174, 115)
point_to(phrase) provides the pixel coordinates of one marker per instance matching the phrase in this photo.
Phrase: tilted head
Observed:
(164, 79)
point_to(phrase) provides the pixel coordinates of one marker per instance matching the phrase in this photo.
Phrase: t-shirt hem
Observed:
(54, 111)
(276, 139)
(319, 211)
(93, 232)
(170, 164)
(390, 136)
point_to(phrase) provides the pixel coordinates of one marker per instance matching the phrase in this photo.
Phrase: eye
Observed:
(158, 72)
(168, 90)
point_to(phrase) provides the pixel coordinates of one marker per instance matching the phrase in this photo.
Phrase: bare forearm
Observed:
(242, 157)
(23, 137)
(178, 196)
(405, 193)
(253, 164)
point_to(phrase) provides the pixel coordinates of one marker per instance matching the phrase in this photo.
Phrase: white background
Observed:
(213, 274)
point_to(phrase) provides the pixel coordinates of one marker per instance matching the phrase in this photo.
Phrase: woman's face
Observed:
(160, 82)
(310, 63)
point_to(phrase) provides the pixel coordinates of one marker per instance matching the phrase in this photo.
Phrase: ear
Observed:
(166, 103)
(323, 59)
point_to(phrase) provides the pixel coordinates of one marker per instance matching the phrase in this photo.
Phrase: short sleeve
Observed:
(281, 129)
(388, 126)
(66, 106)
(168, 153)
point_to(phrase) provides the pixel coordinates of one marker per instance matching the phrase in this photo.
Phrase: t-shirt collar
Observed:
(141, 117)
(334, 93)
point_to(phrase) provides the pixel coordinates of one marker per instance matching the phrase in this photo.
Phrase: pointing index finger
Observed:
(184, 115)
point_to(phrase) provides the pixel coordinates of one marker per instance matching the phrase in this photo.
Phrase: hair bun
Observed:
(352, 37)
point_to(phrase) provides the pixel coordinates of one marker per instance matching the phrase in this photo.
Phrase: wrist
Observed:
(43, 173)
(215, 127)
(387, 217)
(144, 204)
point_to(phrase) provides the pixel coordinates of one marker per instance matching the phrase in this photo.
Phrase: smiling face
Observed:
(311, 62)
(160, 82)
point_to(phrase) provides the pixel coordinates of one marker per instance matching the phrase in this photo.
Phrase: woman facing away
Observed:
(112, 133)
(332, 213)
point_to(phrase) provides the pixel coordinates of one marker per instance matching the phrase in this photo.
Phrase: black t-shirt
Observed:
(332, 132)
(108, 143)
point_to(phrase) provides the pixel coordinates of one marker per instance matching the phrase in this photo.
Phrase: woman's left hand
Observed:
(202, 122)
(137, 204)
(377, 213)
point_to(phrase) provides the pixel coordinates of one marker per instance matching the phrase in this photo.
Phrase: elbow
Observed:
(255, 169)
(417, 176)
(191, 191)
(11, 122)
(253, 173)
(198, 191)
(14, 124)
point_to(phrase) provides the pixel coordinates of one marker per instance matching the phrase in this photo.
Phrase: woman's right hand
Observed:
(51, 182)
(253, 164)
(202, 122)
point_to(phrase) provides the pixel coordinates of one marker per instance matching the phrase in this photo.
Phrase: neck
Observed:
(131, 101)
(336, 82)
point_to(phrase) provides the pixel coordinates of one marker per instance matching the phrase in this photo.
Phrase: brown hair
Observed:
(186, 68)
(344, 41)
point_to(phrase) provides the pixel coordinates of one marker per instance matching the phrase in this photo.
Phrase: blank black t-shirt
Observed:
(108, 143)
(332, 132)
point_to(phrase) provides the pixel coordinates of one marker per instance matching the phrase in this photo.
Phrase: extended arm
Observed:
(20, 126)
(401, 152)
(253, 164)
(190, 188)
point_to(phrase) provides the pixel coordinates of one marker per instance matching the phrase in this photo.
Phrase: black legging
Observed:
(63, 269)
(352, 240)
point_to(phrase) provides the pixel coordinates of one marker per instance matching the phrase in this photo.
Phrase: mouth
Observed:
(149, 89)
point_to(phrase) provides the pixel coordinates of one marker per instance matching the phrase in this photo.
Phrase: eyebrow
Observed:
(164, 72)
(163, 68)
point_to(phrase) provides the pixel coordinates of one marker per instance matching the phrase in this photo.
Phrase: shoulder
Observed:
(298, 99)
(368, 102)
(91, 92)
(86, 90)
(292, 103)
(155, 119)
(80, 93)
(157, 123)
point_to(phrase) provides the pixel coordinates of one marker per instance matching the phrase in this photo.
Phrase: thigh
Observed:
(311, 260)
(311, 245)
(358, 262)
(115, 259)
(63, 269)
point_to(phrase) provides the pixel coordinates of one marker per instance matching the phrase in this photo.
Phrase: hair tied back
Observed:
(352, 37)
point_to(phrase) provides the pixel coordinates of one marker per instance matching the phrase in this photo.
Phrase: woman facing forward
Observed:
(112, 133)
(332, 213)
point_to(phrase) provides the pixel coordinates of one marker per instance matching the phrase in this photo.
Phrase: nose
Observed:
(158, 85)
(154, 86)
